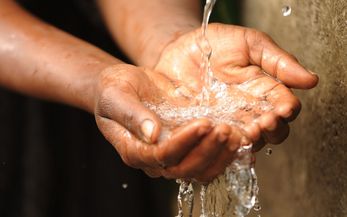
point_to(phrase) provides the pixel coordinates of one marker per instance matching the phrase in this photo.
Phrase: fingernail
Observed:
(147, 128)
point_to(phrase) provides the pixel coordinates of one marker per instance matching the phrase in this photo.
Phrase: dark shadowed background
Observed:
(54, 161)
(307, 176)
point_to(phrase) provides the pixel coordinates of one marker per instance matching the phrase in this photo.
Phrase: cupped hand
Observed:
(196, 150)
(250, 60)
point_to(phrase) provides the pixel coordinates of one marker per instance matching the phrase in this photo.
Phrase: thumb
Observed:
(265, 53)
(124, 106)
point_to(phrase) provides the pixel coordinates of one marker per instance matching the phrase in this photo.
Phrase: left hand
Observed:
(197, 149)
(240, 55)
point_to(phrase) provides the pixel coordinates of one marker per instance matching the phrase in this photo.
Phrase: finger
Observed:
(265, 53)
(123, 105)
(217, 168)
(253, 131)
(141, 155)
(124, 142)
(285, 103)
(225, 157)
(172, 150)
(172, 89)
(153, 173)
(258, 145)
(274, 129)
(202, 155)
(282, 99)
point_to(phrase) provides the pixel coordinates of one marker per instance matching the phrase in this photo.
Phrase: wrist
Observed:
(87, 87)
(145, 32)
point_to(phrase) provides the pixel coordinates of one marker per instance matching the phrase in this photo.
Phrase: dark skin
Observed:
(240, 55)
(42, 61)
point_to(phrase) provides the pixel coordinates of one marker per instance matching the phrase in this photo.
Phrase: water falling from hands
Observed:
(234, 192)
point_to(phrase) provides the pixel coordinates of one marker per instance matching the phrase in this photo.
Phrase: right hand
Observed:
(198, 150)
(242, 54)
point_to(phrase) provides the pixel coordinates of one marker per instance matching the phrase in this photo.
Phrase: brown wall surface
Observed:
(307, 176)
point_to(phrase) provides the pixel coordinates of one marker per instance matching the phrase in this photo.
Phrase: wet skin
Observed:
(242, 55)
(163, 38)
(39, 60)
(202, 156)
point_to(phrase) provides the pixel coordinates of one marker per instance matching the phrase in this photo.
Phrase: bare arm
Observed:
(144, 28)
(42, 61)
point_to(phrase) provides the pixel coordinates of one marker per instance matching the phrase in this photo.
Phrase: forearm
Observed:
(144, 28)
(40, 60)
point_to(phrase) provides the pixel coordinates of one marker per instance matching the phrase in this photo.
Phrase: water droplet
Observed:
(258, 215)
(257, 207)
(286, 11)
(127, 134)
(268, 151)
(125, 185)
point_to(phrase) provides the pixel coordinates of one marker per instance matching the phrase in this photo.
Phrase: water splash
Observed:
(286, 11)
(268, 151)
(125, 185)
(203, 201)
(242, 178)
(234, 192)
(185, 199)
(257, 206)
(231, 104)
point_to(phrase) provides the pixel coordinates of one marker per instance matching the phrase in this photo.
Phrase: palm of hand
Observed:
(121, 117)
(239, 57)
(199, 149)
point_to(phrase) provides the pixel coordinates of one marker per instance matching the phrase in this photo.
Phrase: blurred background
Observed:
(54, 162)
(307, 175)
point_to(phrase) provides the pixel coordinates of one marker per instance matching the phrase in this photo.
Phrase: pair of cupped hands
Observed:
(199, 150)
